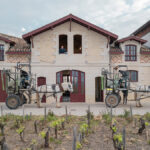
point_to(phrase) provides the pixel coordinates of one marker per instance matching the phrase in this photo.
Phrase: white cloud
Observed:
(120, 16)
(23, 29)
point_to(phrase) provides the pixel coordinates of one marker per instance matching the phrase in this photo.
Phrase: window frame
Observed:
(60, 44)
(2, 52)
(129, 55)
(74, 43)
(129, 75)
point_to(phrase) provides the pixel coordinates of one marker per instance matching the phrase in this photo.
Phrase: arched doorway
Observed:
(77, 78)
(42, 81)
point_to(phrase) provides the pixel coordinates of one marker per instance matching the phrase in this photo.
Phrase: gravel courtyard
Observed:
(78, 109)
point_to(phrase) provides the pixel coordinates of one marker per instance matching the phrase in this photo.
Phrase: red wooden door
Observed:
(3, 94)
(78, 82)
(42, 81)
(77, 78)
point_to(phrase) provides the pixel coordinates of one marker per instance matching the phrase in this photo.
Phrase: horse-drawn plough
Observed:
(20, 86)
(117, 83)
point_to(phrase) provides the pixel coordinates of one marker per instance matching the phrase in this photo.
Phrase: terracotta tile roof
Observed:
(143, 27)
(73, 18)
(6, 40)
(145, 50)
(131, 38)
(18, 45)
(115, 50)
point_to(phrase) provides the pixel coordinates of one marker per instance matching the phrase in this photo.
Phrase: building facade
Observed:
(12, 50)
(74, 50)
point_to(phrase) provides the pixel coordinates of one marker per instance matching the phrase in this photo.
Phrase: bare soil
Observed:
(99, 136)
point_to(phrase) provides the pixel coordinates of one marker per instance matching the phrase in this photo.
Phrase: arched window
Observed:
(130, 53)
(77, 44)
(62, 44)
(133, 75)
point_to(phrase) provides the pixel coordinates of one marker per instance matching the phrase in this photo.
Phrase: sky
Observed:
(121, 17)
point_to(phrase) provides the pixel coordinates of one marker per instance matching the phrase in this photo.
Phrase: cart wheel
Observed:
(13, 101)
(112, 100)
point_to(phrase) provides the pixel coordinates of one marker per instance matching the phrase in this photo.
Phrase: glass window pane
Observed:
(75, 81)
(58, 78)
(82, 82)
(133, 75)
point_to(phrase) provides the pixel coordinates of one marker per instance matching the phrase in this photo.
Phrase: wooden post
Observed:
(111, 113)
(45, 112)
(30, 115)
(89, 116)
(47, 138)
(80, 138)
(124, 137)
(1, 110)
(35, 126)
(56, 131)
(23, 112)
(66, 113)
(74, 138)
(131, 113)
(38, 99)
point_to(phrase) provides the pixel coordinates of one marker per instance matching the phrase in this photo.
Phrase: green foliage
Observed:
(28, 149)
(28, 117)
(90, 114)
(78, 145)
(148, 142)
(4, 118)
(107, 118)
(84, 127)
(52, 139)
(51, 116)
(18, 121)
(146, 123)
(65, 132)
(19, 118)
(34, 142)
(118, 137)
(43, 134)
(147, 116)
(114, 128)
(56, 141)
(20, 130)
(126, 114)
(57, 123)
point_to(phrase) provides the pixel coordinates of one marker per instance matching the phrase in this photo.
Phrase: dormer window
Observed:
(130, 53)
(77, 39)
(63, 44)
(1, 52)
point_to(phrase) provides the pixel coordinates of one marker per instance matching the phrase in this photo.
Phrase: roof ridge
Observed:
(65, 19)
